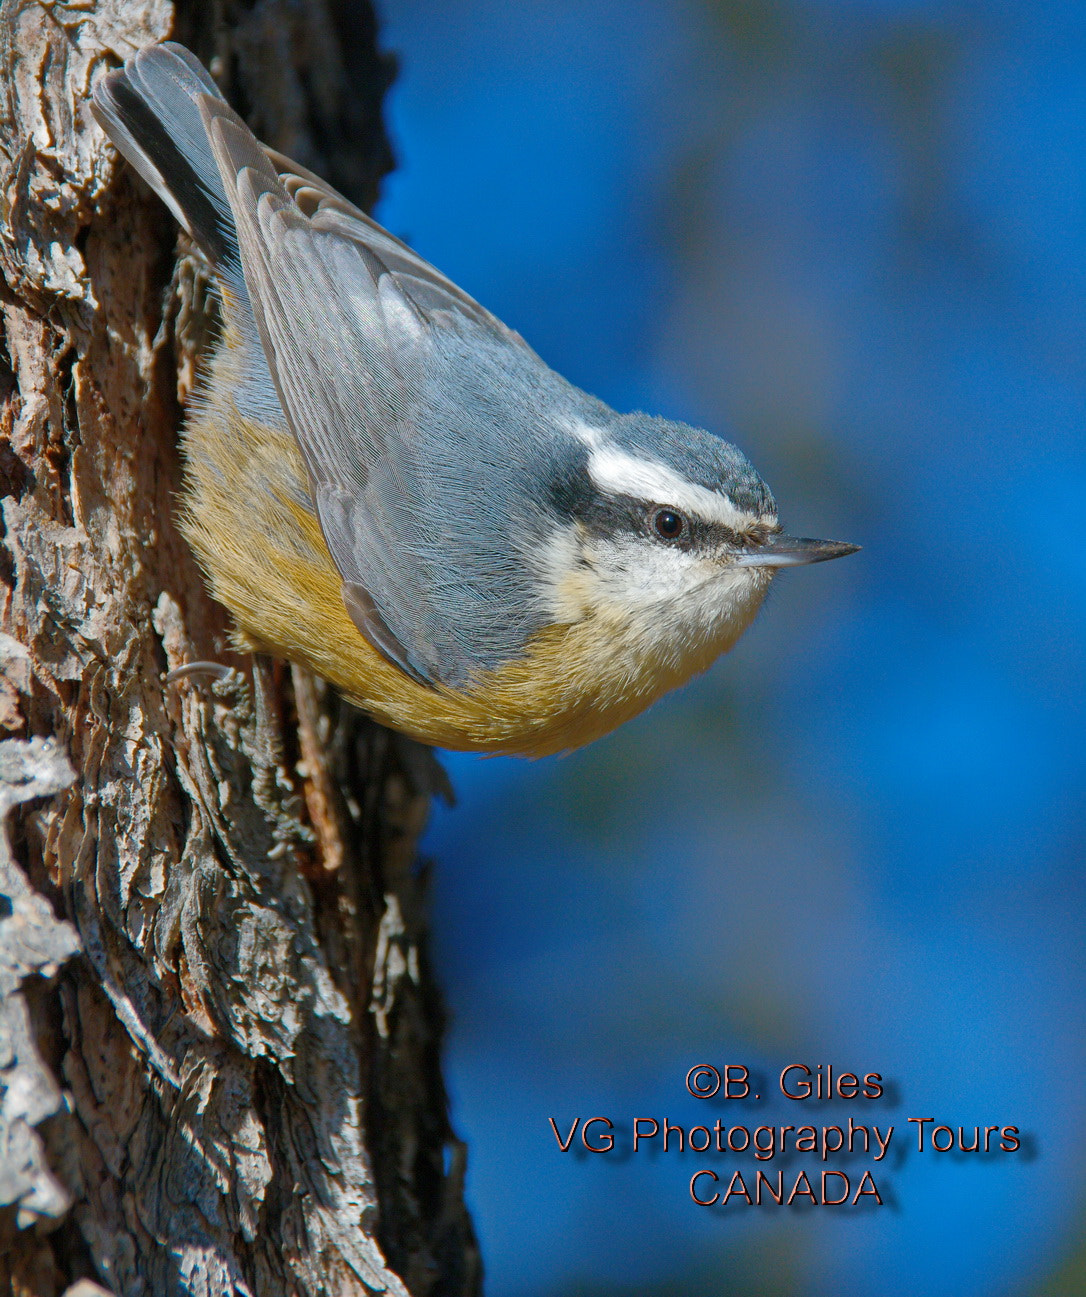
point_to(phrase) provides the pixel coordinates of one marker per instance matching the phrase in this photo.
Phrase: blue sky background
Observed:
(848, 236)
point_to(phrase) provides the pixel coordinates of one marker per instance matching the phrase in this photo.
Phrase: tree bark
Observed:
(219, 1040)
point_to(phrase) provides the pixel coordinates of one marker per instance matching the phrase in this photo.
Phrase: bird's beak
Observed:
(792, 551)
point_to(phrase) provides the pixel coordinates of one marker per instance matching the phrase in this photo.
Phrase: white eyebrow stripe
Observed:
(623, 474)
(584, 432)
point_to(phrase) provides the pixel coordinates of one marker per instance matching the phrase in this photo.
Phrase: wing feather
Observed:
(352, 323)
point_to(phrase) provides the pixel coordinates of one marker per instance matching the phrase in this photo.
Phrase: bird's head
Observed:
(667, 535)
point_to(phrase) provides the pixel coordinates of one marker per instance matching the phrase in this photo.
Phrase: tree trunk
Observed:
(219, 1040)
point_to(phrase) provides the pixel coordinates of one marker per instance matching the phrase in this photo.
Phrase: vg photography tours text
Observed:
(802, 1153)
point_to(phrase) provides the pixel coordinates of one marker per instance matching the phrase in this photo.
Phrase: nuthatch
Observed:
(387, 484)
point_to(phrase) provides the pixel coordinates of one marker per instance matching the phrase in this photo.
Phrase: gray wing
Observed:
(427, 287)
(351, 321)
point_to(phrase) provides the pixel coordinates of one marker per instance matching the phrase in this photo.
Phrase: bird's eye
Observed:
(668, 524)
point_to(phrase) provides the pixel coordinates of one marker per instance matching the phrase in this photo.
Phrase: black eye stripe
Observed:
(575, 498)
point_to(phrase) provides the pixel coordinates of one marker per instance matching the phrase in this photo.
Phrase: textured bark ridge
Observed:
(219, 1063)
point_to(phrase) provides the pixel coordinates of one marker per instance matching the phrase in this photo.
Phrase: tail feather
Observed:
(150, 110)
